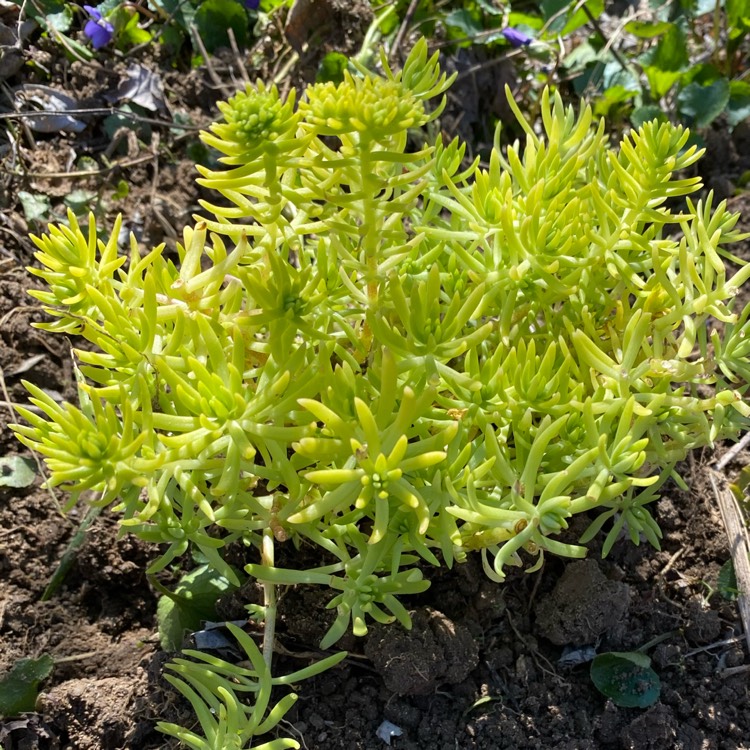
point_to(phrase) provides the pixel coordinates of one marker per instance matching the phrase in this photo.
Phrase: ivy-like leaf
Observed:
(703, 104)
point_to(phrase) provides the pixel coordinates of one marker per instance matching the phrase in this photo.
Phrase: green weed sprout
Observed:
(394, 356)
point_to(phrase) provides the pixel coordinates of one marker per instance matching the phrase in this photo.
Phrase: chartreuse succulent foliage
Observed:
(382, 352)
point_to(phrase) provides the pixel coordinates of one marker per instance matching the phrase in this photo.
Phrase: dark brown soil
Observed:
(480, 669)
(482, 666)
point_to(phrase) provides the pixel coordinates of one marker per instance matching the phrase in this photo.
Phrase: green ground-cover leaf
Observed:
(647, 29)
(214, 17)
(128, 31)
(36, 206)
(664, 63)
(16, 471)
(520, 20)
(703, 103)
(569, 17)
(464, 22)
(738, 17)
(647, 113)
(738, 107)
(626, 678)
(20, 686)
(193, 600)
(61, 21)
(332, 67)
(80, 201)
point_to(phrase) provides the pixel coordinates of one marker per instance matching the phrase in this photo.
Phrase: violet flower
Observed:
(99, 31)
(252, 4)
(516, 38)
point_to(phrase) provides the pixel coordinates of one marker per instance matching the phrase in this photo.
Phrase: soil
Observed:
(486, 666)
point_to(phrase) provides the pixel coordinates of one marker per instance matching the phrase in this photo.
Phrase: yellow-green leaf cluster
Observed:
(382, 350)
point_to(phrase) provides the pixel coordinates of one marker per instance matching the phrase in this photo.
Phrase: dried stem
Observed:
(739, 544)
(269, 599)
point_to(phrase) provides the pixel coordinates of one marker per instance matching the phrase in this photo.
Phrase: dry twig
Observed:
(739, 543)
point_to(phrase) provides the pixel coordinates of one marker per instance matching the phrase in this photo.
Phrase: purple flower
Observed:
(517, 38)
(98, 30)
(252, 4)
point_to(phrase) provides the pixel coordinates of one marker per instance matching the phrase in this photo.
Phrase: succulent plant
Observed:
(394, 355)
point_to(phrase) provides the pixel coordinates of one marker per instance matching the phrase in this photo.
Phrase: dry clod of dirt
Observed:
(342, 24)
(415, 662)
(654, 730)
(703, 626)
(98, 713)
(582, 607)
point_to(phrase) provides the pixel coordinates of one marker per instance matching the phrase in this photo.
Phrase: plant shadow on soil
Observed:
(480, 667)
